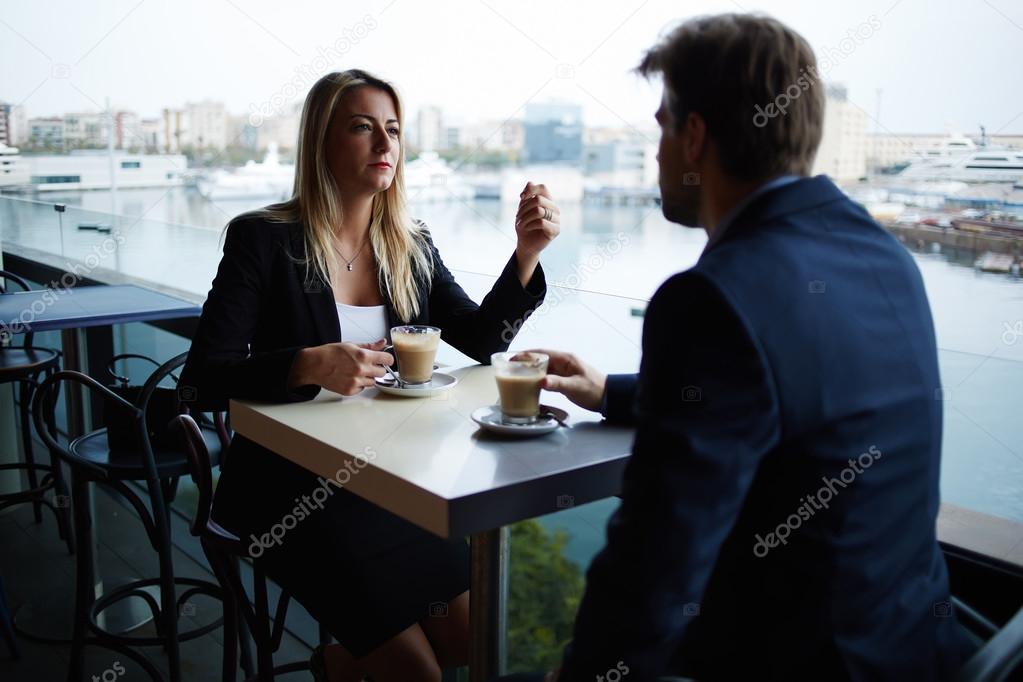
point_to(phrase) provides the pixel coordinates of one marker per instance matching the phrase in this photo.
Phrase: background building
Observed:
(553, 133)
(13, 124)
(490, 136)
(85, 130)
(619, 163)
(198, 126)
(281, 130)
(46, 133)
(429, 134)
(207, 125)
(843, 151)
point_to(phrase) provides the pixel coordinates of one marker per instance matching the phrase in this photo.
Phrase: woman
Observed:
(303, 299)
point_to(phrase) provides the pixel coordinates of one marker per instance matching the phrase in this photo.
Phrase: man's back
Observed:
(787, 462)
(840, 312)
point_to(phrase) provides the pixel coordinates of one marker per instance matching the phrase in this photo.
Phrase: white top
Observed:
(362, 323)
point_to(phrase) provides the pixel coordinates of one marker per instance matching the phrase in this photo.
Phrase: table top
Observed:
(89, 306)
(425, 460)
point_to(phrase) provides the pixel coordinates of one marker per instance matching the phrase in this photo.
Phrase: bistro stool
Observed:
(91, 461)
(223, 550)
(24, 365)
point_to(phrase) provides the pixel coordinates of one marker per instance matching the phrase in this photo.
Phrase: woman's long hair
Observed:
(399, 245)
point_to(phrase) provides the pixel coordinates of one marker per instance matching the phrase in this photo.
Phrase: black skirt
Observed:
(359, 570)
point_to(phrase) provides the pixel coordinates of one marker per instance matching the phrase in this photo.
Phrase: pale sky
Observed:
(942, 65)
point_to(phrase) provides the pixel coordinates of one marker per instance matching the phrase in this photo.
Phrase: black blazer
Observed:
(262, 310)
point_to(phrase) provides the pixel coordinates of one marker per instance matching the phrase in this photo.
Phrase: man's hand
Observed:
(579, 382)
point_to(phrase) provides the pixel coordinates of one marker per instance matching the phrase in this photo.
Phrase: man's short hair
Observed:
(754, 81)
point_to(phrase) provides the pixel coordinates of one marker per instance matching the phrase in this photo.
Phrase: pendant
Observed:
(349, 267)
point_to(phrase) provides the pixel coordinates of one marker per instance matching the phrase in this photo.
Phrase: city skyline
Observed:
(259, 58)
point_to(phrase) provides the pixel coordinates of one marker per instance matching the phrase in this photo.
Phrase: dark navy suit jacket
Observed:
(778, 511)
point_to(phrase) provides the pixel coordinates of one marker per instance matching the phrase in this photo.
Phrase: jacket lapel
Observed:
(319, 296)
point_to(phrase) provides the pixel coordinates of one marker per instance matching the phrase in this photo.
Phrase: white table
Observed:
(429, 463)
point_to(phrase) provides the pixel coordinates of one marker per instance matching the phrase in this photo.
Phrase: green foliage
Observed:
(544, 592)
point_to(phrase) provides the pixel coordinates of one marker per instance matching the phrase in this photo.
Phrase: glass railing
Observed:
(550, 554)
(600, 272)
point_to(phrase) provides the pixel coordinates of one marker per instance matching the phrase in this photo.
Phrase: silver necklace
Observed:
(348, 263)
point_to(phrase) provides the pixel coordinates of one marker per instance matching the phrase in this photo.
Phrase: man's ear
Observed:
(694, 138)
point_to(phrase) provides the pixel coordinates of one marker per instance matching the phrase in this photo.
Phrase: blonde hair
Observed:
(399, 245)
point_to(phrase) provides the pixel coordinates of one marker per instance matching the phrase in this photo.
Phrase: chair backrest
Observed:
(201, 468)
(8, 278)
(999, 657)
(125, 380)
(158, 375)
(44, 407)
(161, 373)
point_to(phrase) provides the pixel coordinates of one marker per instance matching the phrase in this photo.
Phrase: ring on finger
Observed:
(547, 214)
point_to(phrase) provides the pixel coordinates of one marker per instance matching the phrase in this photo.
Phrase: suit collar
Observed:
(802, 195)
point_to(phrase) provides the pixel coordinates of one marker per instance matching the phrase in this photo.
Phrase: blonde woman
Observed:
(303, 299)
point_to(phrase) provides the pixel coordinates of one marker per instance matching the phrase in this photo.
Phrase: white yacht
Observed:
(960, 159)
(429, 178)
(13, 172)
(269, 179)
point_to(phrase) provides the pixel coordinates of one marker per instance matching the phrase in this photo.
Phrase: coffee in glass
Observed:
(415, 347)
(519, 376)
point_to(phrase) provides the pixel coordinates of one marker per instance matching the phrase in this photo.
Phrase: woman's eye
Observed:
(362, 126)
(393, 132)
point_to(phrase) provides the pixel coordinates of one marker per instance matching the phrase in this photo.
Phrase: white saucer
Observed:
(441, 382)
(489, 418)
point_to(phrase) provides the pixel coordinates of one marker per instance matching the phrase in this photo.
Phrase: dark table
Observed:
(70, 311)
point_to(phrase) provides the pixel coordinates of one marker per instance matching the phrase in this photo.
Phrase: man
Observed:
(778, 511)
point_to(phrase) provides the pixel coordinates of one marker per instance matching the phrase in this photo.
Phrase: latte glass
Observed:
(519, 376)
(415, 347)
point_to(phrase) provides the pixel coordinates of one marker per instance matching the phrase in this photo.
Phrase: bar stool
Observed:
(23, 365)
(223, 550)
(90, 461)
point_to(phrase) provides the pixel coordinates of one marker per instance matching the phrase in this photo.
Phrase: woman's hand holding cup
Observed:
(344, 368)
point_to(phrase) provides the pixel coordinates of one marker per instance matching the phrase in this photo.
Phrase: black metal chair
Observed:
(223, 551)
(90, 461)
(1000, 656)
(23, 365)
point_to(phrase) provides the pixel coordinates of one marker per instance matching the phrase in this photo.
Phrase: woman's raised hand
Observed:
(537, 222)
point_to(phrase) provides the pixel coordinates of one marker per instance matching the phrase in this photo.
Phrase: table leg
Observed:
(72, 342)
(488, 605)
